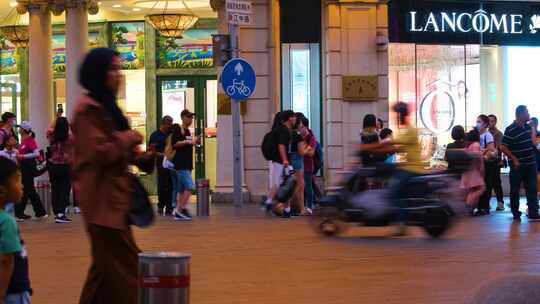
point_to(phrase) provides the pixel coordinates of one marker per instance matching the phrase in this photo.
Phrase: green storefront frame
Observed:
(198, 83)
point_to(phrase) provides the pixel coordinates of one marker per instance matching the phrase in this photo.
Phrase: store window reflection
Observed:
(441, 83)
(448, 85)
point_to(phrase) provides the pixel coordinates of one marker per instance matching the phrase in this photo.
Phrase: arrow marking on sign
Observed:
(239, 69)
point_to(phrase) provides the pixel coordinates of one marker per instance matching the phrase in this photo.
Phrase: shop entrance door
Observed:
(198, 94)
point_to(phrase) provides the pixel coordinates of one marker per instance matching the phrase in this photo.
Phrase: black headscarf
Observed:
(93, 75)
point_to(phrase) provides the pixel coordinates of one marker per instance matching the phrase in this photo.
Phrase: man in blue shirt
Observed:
(157, 143)
(517, 144)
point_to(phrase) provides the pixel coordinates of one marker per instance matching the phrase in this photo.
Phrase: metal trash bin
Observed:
(43, 188)
(203, 197)
(164, 277)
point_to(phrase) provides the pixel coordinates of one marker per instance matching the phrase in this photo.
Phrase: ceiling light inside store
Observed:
(172, 25)
(171, 5)
(13, 4)
(117, 6)
(16, 34)
(100, 3)
(136, 9)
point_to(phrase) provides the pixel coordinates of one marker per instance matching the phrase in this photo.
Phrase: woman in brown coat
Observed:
(104, 146)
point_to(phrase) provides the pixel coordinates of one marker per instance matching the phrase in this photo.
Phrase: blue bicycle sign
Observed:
(238, 79)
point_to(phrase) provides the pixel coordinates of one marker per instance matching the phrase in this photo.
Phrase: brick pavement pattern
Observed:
(243, 257)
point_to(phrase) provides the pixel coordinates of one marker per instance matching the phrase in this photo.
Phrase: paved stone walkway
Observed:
(242, 257)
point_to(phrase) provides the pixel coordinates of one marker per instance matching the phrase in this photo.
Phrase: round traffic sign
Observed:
(238, 79)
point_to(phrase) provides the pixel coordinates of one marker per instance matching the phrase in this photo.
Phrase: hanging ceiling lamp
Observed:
(15, 33)
(172, 25)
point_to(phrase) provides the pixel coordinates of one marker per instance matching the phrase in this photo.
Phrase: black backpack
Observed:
(269, 146)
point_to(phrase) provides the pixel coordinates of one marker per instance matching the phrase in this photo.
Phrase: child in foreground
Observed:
(14, 280)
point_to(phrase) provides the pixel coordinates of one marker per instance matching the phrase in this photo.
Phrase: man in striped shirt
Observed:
(517, 144)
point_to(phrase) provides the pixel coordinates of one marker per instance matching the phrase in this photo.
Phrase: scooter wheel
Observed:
(327, 221)
(437, 222)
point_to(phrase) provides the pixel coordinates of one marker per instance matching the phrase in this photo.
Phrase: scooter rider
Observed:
(406, 142)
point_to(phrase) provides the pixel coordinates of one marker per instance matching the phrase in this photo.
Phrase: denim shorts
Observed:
(18, 298)
(183, 181)
(297, 161)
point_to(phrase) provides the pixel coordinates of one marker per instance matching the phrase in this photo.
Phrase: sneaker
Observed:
(41, 217)
(76, 210)
(295, 213)
(480, 212)
(24, 217)
(307, 212)
(61, 219)
(286, 214)
(185, 213)
(500, 206)
(517, 216)
(181, 216)
(19, 219)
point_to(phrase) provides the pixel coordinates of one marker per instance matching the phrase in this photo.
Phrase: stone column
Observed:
(76, 48)
(40, 101)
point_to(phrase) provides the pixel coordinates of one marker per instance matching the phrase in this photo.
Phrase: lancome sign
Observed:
(485, 22)
(480, 22)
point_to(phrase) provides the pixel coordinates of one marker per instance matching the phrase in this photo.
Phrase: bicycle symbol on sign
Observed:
(240, 87)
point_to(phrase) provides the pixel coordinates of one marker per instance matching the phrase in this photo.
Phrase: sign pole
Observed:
(237, 144)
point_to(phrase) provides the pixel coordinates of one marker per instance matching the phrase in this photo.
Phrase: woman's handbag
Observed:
(141, 213)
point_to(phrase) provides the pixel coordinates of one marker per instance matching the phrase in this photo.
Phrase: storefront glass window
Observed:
(177, 95)
(441, 84)
(449, 85)
(10, 94)
(300, 81)
(10, 86)
(523, 85)
(132, 98)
